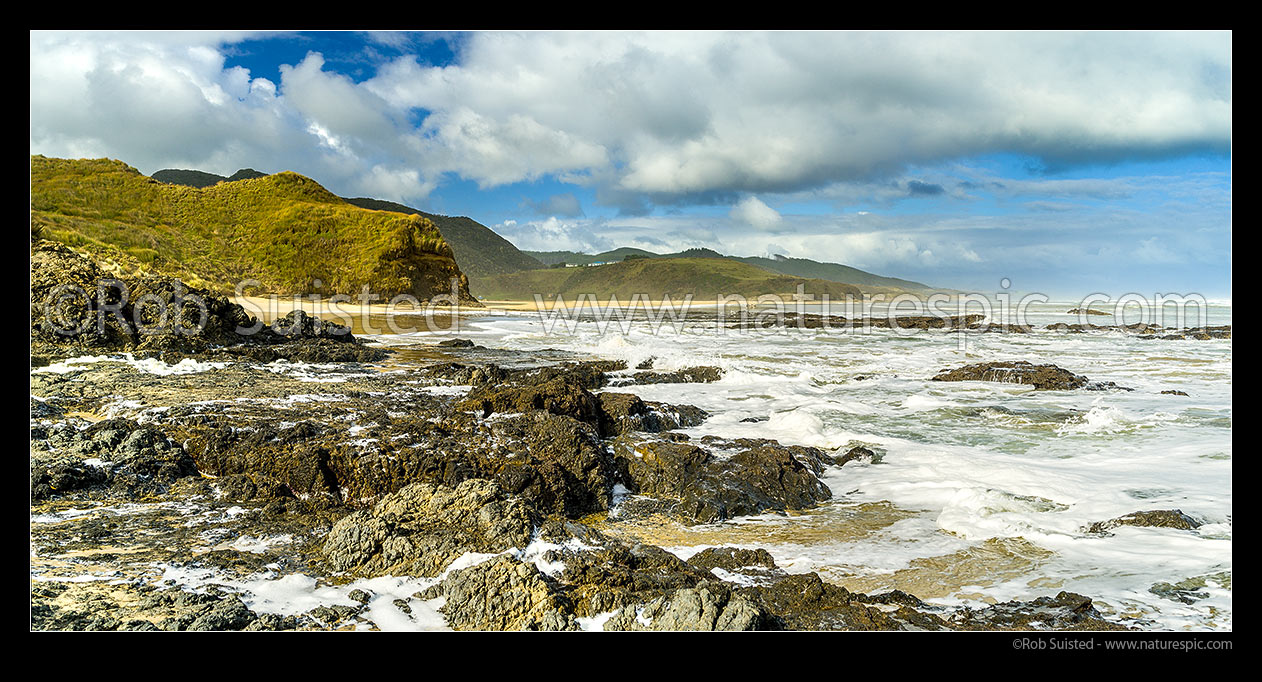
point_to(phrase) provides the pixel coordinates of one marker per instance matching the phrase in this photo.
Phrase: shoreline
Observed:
(293, 473)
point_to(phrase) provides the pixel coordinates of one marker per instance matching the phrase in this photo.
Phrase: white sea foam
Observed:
(976, 461)
(146, 365)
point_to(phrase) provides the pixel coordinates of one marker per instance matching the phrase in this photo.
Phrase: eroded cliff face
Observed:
(408, 268)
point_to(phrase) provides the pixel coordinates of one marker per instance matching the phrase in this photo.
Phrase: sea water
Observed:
(980, 492)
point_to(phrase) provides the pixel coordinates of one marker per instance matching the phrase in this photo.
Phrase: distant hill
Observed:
(190, 178)
(284, 230)
(804, 267)
(199, 179)
(797, 267)
(575, 258)
(704, 278)
(479, 251)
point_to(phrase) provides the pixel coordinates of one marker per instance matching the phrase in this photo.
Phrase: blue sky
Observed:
(1068, 163)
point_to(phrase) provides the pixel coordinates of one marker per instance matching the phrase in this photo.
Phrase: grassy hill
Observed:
(284, 230)
(804, 267)
(479, 251)
(796, 267)
(575, 258)
(704, 278)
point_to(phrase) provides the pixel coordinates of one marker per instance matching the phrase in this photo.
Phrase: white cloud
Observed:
(754, 213)
(554, 234)
(661, 115)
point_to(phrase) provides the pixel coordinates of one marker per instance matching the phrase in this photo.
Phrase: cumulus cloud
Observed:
(554, 234)
(754, 213)
(645, 121)
(644, 117)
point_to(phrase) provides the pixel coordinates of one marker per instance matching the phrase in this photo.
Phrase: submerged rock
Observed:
(857, 453)
(1192, 590)
(688, 375)
(1065, 611)
(1041, 377)
(1162, 518)
(1196, 334)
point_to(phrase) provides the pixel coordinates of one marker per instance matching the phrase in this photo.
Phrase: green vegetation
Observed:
(554, 257)
(705, 278)
(796, 267)
(804, 267)
(284, 230)
(480, 252)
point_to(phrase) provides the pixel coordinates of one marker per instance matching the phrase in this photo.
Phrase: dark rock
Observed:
(561, 396)
(332, 615)
(857, 453)
(1106, 386)
(1191, 590)
(228, 613)
(624, 412)
(736, 478)
(76, 308)
(42, 410)
(1042, 377)
(116, 452)
(271, 622)
(732, 558)
(1162, 518)
(689, 375)
(805, 602)
(1065, 611)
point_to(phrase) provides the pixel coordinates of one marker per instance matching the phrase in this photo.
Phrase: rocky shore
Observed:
(199, 481)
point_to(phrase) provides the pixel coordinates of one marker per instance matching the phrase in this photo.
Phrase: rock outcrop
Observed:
(77, 309)
(716, 479)
(1041, 377)
(423, 528)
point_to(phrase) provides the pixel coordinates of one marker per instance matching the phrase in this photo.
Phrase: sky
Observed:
(1067, 163)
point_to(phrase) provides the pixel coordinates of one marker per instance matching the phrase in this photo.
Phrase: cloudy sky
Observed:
(1066, 162)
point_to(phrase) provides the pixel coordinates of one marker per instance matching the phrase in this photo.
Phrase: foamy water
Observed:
(982, 490)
